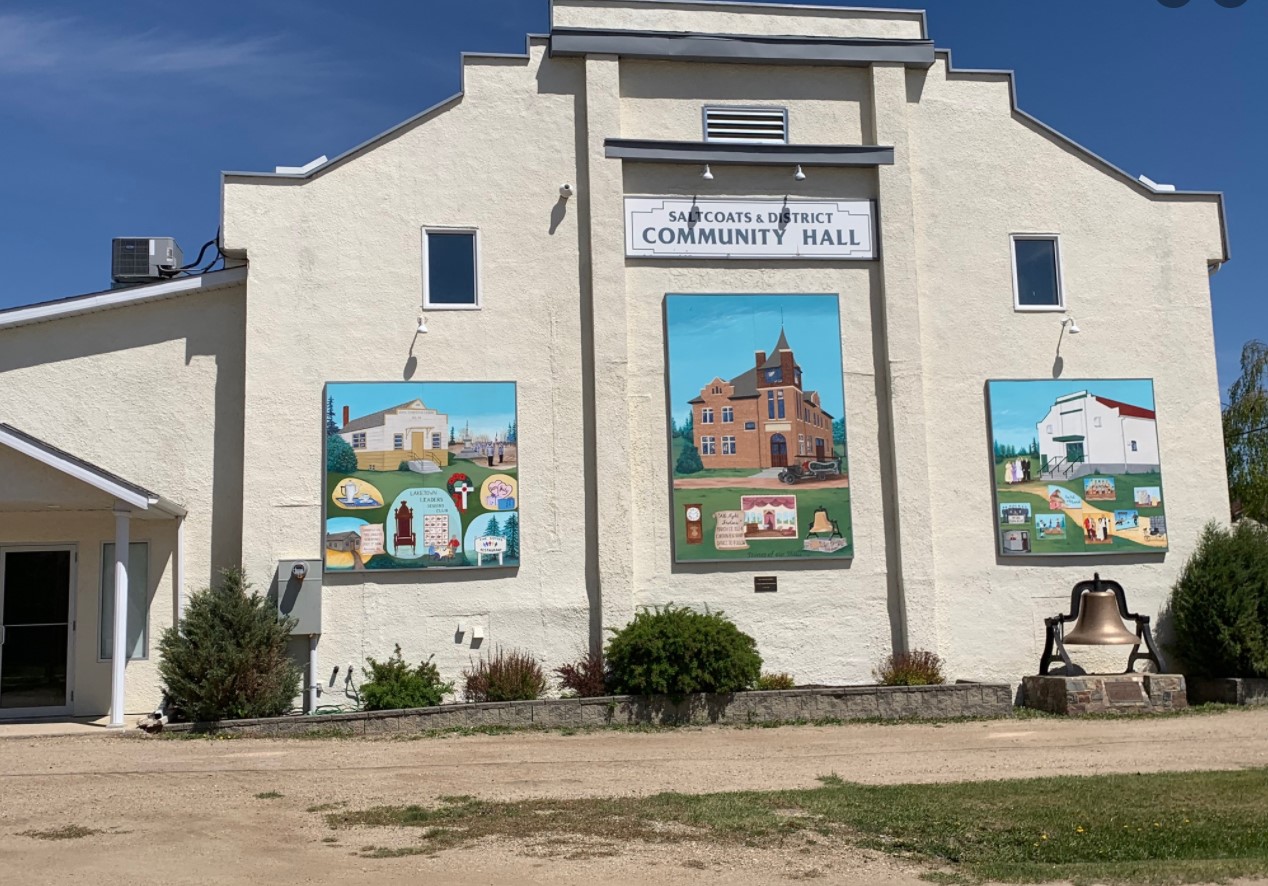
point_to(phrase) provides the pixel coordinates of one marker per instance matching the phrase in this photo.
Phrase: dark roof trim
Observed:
(741, 48)
(1011, 77)
(722, 153)
(85, 471)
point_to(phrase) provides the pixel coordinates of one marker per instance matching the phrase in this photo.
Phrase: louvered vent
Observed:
(762, 126)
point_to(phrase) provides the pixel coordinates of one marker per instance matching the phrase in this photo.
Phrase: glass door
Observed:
(35, 588)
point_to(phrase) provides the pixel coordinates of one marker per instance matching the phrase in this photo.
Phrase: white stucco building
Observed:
(181, 421)
(1086, 433)
(409, 431)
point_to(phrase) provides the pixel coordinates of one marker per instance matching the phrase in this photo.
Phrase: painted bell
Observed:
(1099, 623)
(822, 524)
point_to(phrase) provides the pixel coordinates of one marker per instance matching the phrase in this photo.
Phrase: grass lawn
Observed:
(1191, 827)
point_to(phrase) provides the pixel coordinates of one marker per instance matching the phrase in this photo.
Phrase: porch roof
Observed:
(131, 494)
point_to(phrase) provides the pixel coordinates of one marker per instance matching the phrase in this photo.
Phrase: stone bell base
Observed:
(1105, 693)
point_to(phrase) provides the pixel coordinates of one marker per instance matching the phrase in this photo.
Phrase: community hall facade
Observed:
(504, 259)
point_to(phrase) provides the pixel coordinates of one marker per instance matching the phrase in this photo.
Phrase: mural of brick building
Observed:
(761, 418)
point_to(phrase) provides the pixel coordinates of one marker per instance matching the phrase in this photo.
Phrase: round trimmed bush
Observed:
(676, 651)
(1219, 605)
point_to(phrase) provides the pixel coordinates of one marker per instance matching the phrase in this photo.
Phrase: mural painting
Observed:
(421, 475)
(757, 421)
(1076, 467)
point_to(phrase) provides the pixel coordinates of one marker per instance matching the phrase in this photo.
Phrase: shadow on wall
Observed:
(211, 325)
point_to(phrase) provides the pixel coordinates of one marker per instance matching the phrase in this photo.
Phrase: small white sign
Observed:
(682, 227)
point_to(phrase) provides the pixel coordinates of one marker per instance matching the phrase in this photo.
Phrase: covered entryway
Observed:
(54, 510)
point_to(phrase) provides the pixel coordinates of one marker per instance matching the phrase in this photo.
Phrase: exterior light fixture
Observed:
(799, 175)
(1074, 327)
(707, 175)
(422, 324)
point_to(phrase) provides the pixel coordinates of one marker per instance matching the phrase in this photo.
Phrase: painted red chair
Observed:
(404, 536)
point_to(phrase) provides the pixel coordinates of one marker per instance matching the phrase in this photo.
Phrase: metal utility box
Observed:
(144, 259)
(299, 594)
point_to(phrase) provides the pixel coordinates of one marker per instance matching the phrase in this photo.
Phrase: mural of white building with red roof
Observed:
(1085, 433)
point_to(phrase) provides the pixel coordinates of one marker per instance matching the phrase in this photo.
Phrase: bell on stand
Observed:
(1098, 609)
(824, 524)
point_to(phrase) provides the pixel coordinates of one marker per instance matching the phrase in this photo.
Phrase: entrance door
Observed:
(819, 450)
(1074, 453)
(778, 451)
(35, 621)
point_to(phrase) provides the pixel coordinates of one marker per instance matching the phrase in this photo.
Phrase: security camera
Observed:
(565, 191)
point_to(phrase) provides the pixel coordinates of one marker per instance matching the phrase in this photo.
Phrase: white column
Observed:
(178, 576)
(313, 679)
(119, 653)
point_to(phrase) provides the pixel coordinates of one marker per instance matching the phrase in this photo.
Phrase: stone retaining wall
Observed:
(1227, 690)
(844, 703)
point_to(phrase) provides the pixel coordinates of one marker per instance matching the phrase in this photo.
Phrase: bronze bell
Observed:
(1099, 623)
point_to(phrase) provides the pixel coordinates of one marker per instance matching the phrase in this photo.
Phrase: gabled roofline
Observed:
(389, 133)
(804, 7)
(74, 305)
(99, 478)
(1087, 152)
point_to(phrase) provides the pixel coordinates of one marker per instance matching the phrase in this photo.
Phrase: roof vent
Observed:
(760, 126)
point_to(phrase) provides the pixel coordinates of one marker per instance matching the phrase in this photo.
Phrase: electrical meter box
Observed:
(299, 594)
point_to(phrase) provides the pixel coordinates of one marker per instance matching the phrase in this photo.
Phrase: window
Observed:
(774, 375)
(138, 602)
(398, 441)
(358, 440)
(728, 446)
(770, 404)
(750, 426)
(450, 268)
(435, 441)
(717, 389)
(801, 444)
(708, 446)
(728, 414)
(706, 415)
(1047, 429)
(1133, 446)
(1036, 273)
(779, 399)
(1096, 421)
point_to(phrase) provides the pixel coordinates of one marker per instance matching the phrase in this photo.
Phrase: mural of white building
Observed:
(409, 432)
(1084, 433)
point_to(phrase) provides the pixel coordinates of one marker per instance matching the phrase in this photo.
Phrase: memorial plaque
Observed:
(728, 531)
(765, 584)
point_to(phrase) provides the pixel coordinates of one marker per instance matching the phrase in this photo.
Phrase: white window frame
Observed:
(708, 446)
(398, 442)
(1060, 306)
(728, 443)
(706, 415)
(728, 411)
(355, 435)
(452, 229)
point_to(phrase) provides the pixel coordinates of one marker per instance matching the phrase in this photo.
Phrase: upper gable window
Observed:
(451, 268)
(1037, 273)
(760, 126)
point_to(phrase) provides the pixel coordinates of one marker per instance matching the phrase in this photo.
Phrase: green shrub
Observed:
(504, 676)
(587, 677)
(677, 651)
(1219, 605)
(771, 682)
(340, 459)
(918, 667)
(227, 659)
(393, 684)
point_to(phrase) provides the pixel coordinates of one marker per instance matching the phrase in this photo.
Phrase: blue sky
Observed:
(715, 336)
(489, 406)
(1017, 406)
(118, 117)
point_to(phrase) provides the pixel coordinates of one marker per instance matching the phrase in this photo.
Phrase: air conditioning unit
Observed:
(136, 260)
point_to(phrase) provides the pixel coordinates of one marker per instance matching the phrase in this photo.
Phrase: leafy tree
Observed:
(687, 429)
(331, 427)
(689, 461)
(227, 659)
(512, 535)
(1246, 433)
(340, 459)
(838, 431)
(513, 432)
(452, 439)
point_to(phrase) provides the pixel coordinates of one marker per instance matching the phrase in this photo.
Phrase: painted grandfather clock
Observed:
(695, 525)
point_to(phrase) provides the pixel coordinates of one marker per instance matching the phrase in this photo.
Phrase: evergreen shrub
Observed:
(676, 651)
(393, 685)
(228, 657)
(504, 676)
(1219, 605)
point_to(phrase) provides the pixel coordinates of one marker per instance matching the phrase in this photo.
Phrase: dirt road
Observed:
(187, 812)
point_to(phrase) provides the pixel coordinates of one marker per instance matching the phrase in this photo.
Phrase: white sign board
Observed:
(682, 227)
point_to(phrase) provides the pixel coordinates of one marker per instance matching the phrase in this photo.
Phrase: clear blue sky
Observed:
(488, 406)
(117, 117)
(716, 336)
